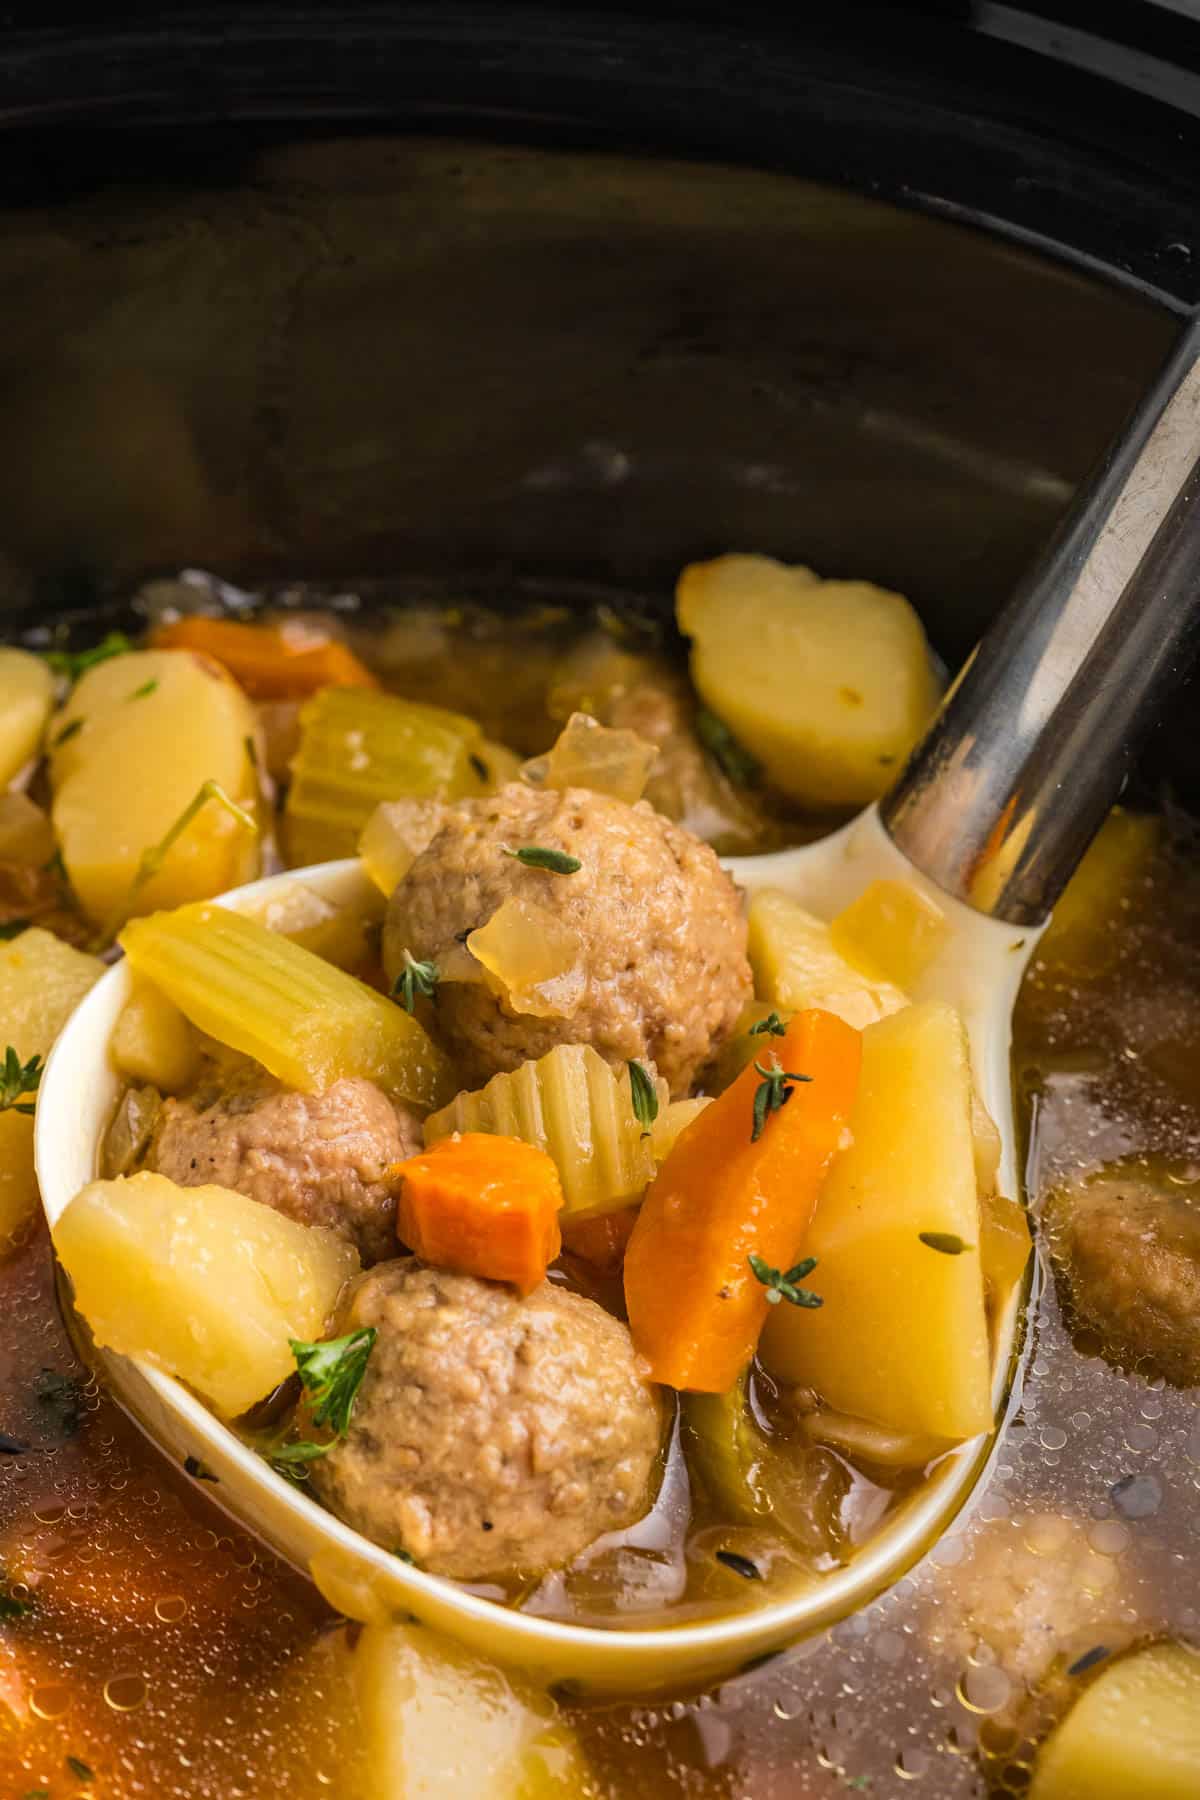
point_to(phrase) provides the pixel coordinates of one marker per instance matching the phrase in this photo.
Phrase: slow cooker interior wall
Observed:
(456, 359)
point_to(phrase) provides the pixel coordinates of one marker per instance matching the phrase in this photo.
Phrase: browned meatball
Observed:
(492, 1435)
(318, 1158)
(660, 924)
(1128, 1247)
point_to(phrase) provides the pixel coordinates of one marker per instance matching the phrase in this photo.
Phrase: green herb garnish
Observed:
(415, 978)
(80, 1769)
(645, 1100)
(1088, 1660)
(251, 752)
(732, 758)
(71, 729)
(290, 1459)
(772, 1095)
(772, 1025)
(197, 1470)
(11, 1608)
(62, 1399)
(12, 928)
(555, 862)
(948, 1242)
(153, 859)
(74, 663)
(144, 692)
(331, 1374)
(36, 1794)
(479, 766)
(741, 1565)
(16, 1079)
(781, 1283)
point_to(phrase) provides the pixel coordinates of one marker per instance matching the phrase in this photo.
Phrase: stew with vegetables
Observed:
(563, 1222)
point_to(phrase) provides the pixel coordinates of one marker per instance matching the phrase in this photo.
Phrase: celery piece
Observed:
(306, 1021)
(571, 1104)
(358, 748)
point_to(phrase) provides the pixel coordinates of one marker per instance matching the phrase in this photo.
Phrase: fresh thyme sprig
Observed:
(18, 1079)
(772, 1095)
(416, 978)
(781, 1284)
(772, 1026)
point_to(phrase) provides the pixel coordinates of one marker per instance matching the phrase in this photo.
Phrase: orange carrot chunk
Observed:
(482, 1205)
(271, 662)
(696, 1308)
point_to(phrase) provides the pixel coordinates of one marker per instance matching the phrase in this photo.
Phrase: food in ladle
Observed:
(660, 927)
(491, 1434)
(321, 1159)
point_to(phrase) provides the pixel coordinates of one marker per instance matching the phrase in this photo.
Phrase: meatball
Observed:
(492, 1435)
(320, 1159)
(661, 928)
(1127, 1246)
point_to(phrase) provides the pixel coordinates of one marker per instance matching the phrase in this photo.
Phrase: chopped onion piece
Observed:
(533, 959)
(587, 754)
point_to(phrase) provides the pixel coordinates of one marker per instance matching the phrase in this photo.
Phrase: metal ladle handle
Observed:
(1013, 779)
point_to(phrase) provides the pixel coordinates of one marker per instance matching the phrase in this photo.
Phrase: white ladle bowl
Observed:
(978, 968)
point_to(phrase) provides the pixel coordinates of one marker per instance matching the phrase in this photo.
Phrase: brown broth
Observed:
(176, 1658)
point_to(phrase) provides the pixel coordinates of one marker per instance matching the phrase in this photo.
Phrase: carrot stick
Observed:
(482, 1205)
(695, 1306)
(269, 662)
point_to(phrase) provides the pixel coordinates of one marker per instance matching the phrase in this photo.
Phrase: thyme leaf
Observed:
(732, 758)
(782, 1284)
(772, 1024)
(71, 729)
(645, 1100)
(80, 1769)
(741, 1565)
(17, 1079)
(947, 1242)
(74, 663)
(143, 692)
(415, 978)
(554, 862)
(772, 1095)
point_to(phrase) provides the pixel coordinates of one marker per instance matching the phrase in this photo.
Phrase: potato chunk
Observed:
(796, 965)
(153, 1043)
(201, 1282)
(1134, 1734)
(42, 981)
(439, 1723)
(828, 683)
(153, 726)
(26, 697)
(902, 1337)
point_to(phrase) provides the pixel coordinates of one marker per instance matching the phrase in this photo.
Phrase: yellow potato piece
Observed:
(201, 1282)
(796, 964)
(1133, 1735)
(25, 831)
(153, 1042)
(26, 698)
(439, 1723)
(42, 981)
(154, 725)
(892, 930)
(902, 1337)
(828, 683)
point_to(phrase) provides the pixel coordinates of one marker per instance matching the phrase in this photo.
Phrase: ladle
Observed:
(989, 818)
